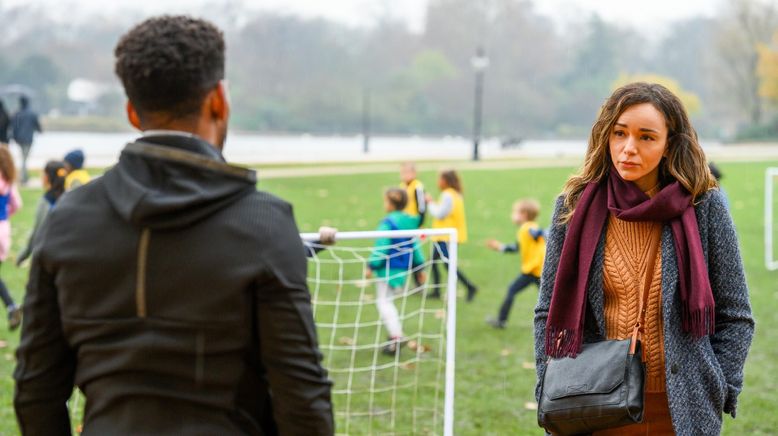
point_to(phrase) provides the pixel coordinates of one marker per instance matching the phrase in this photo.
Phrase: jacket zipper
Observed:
(140, 287)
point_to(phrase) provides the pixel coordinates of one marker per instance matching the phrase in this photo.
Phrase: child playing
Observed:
(76, 175)
(531, 244)
(417, 203)
(10, 202)
(391, 261)
(448, 212)
(53, 178)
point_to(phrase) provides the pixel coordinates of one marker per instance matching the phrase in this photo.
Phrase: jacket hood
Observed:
(173, 181)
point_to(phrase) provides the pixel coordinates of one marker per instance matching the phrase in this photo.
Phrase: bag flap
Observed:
(599, 368)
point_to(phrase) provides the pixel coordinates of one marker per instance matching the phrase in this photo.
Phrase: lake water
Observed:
(103, 149)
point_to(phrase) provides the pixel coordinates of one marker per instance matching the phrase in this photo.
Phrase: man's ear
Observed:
(219, 102)
(132, 115)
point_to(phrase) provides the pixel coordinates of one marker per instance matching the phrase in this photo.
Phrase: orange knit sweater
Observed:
(624, 269)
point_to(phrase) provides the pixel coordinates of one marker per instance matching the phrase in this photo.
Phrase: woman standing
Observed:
(645, 180)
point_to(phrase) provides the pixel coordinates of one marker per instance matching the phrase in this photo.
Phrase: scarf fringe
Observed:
(699, 322)
(563, 342)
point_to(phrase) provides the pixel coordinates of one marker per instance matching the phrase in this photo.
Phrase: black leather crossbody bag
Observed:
(603, 386)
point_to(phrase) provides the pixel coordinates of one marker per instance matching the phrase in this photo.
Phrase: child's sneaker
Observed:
(393, 347)
(14, 317)
(496, 323)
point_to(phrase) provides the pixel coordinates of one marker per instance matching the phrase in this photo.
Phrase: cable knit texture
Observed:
(625, 268)
(703, 376)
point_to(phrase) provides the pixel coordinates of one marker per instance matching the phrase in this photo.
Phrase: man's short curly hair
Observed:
(168, 64)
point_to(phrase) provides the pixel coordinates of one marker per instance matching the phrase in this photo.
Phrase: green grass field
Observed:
(492, 381)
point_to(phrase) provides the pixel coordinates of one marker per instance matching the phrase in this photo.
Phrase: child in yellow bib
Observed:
(449, 211)
(531, 244)
(414, 190)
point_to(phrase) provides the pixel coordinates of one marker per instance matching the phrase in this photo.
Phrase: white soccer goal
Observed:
(771, 178)
(410, 391)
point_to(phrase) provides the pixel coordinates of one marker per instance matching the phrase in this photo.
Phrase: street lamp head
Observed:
(480, 62)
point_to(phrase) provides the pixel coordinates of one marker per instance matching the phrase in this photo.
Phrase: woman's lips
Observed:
(629, 165)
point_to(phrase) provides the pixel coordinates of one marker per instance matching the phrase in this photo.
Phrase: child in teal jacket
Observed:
(392, 261)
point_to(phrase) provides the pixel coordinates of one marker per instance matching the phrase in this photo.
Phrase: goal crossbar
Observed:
(451, 303)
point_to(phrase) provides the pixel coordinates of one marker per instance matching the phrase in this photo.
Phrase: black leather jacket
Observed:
(173, 294)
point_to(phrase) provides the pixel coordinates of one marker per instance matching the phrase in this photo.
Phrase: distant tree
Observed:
(745, 25)
(689, 99)
(768, 70)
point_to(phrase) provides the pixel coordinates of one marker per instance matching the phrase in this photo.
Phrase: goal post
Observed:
(771, 177)
(411, 392)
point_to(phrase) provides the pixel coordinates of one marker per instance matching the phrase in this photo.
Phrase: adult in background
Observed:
(5, 124)
(24, 124)
(644, 184)
(170, 290)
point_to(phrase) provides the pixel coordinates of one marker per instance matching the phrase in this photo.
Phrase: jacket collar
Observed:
(188, 150)
(182, 140)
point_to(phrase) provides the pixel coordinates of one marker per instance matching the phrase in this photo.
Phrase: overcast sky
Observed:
(643, 14)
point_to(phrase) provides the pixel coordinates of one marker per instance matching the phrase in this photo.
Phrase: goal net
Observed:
(770, 221)
(367, 291)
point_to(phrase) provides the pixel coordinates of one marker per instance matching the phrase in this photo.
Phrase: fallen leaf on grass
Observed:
(408, 365)
(440, 314)
(505, 352)
(531, 405)
(528, 365)
(3, 344)
(414, 346)
(345, 340)
(8, 356)
(367, 298)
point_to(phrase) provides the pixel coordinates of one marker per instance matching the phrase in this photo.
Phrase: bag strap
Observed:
(653, 251)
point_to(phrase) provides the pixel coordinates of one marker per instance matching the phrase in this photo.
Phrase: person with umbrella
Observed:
(5, 122)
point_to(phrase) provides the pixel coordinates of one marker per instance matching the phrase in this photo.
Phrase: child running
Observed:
(448, 212)
(10, 202)
(53, 178)
(76, 174)
(414, 189)
(531, 244)
(391, 261)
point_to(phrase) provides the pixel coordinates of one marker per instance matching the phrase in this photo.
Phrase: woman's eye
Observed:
(618, 133)
(647, 138)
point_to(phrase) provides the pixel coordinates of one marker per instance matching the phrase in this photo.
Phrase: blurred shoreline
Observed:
(103, 149)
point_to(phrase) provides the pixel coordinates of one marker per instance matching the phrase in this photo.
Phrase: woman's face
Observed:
(637, 143)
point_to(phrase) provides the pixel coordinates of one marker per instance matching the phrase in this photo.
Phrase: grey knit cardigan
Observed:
(705, 376)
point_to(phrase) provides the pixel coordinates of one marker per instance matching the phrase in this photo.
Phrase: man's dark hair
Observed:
(168, 64)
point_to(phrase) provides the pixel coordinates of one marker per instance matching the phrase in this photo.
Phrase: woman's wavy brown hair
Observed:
(7, 168)
(685, 161)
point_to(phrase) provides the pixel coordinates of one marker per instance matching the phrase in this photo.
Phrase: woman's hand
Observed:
(368, 273)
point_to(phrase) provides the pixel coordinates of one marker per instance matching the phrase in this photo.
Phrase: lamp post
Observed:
(480, 62)
(365, 120)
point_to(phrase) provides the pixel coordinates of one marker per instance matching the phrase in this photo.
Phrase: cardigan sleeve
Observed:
(734, 321)
(556, 238)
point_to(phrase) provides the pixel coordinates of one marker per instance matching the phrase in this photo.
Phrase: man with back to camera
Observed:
(171, 291)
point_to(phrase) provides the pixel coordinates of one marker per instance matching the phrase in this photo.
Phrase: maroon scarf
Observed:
(564, 327)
